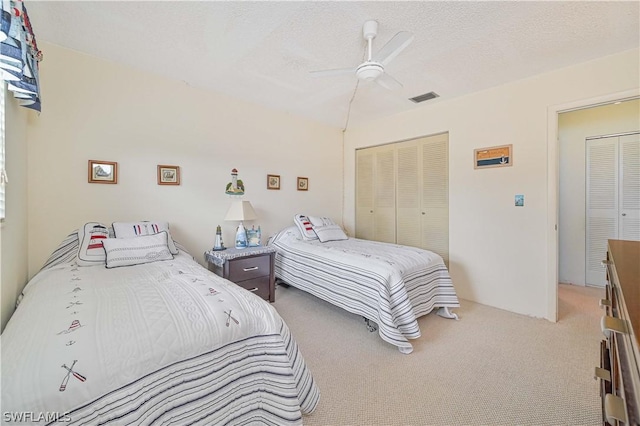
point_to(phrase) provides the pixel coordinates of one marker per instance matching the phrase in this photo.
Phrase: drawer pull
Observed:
(253, 289)
(614, 409)
(609, 324)
(604, 303)
(603, 374)
(253, 268)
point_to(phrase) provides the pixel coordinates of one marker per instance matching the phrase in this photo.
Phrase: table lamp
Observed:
(241, 210)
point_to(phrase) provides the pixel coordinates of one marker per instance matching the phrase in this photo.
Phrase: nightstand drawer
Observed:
(251, 268)
(248, 268)
(259, 286)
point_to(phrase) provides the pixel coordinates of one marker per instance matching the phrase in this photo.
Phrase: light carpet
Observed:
(492, 367)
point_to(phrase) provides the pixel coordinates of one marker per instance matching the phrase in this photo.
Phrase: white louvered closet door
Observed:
(408, 176)
(601, 205)
(629, 219)
(435, 195)
(365, 194)
(384, 209)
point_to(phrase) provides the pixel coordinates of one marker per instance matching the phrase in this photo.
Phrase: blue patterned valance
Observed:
(19, 54)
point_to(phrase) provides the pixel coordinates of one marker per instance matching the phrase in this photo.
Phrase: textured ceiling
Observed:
(263, 51)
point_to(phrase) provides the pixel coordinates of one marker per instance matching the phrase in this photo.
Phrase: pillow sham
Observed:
(136, 229)
(137, 250)
(305, 227)
(321, 221)
(91, 236)
(330, 233)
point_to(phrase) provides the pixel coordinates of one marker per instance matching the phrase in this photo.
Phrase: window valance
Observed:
(19, 54)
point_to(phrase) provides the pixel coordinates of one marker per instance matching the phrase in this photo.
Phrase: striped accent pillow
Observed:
(136, 229)
(305, 226)
(91, 237)
(330, 233)
(137, 250)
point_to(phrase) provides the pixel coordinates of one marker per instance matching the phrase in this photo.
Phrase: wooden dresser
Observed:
(619, 371)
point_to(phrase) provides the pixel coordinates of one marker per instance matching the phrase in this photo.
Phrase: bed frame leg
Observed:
(444, 312)
(370, 326)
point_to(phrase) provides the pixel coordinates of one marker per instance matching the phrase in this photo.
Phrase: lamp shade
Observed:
(240, 210)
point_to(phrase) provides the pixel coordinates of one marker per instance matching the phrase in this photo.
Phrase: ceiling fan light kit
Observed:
(373, 68)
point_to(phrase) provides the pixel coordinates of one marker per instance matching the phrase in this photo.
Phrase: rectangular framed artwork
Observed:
(273, 181)
(303, 184)
(168, 175)
(495, 156)
(103, 171)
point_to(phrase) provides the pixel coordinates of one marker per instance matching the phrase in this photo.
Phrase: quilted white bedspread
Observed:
(390, 284)
(165, 342)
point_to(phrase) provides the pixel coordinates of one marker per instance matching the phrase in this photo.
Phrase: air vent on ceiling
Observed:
(425, 97)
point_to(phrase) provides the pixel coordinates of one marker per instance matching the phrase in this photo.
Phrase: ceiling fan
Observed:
(373, 68)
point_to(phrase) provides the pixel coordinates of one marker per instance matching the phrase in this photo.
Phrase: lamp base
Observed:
(241, 237)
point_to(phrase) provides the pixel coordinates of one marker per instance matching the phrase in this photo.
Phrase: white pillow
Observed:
(90, 237)
(321, 221)
(330, 233)
(136, 229)
(305, 227)
(137, 250)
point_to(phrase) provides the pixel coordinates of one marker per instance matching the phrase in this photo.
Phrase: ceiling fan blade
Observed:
(388, 82)
(393, 47)
(329, 73)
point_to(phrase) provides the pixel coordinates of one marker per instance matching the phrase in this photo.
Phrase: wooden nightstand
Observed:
(250, 268)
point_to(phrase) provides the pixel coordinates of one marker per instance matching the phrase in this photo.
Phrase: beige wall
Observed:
(94, 109)
(498, 253)
(13, 230)
(573, 128)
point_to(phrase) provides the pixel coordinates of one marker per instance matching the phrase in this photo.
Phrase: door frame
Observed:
(553, 185)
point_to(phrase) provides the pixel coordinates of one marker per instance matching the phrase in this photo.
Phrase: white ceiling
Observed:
(263, 51)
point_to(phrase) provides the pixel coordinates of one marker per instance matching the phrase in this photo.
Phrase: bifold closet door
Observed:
(408, 176)
(384, 205)
(376, 194)
(435, 195)
(601, 205)
(629, 214)
(365, 193)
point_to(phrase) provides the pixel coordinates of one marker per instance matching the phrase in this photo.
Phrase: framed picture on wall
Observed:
(103, 171)
(273, 181)
(168, 175)
(495, 156)
(303, 184)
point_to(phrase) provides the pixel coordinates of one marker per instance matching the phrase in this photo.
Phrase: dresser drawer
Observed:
(259, 286)
(248, 268)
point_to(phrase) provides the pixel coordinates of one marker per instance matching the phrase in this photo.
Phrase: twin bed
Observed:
(162, 342)
(131, 330)
(389, 284)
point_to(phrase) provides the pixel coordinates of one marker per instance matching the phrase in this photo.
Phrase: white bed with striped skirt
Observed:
(390, 284)
(160, 343)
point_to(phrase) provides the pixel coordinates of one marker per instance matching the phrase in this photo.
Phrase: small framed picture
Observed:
(103, 171)
(273, 181)
(168, 175)
(303, 184)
